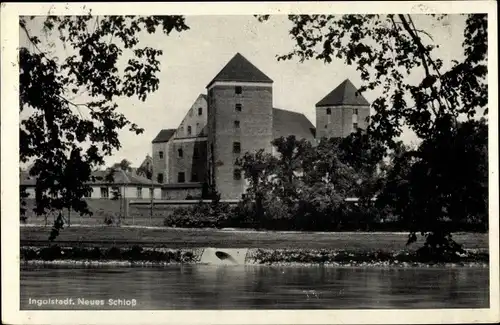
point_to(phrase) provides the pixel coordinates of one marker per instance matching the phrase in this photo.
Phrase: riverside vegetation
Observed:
(137, 255)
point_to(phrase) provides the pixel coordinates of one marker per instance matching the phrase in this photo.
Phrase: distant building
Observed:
(128, 184)
(237, 116)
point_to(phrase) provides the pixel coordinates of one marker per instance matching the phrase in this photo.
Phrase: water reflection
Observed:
(254, 287)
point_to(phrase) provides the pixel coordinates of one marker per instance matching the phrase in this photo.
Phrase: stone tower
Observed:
(341, 112)
(240, 119)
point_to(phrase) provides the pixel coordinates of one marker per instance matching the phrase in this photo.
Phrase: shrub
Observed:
(201, 215)
(50, 253)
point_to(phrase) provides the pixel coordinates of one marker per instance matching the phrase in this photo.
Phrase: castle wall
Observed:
(193, 162)
(195, 120)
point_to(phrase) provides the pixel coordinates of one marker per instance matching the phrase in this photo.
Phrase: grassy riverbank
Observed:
(103, 236)
(157, 246)
(137, 255)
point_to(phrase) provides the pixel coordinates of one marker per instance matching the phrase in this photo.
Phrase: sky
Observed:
(192, 58)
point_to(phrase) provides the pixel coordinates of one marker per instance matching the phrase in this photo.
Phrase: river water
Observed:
(251, 287)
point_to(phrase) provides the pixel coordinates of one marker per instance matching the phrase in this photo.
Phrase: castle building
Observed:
(237, 116)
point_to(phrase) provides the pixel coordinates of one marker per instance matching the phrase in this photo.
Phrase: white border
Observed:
(10, 181)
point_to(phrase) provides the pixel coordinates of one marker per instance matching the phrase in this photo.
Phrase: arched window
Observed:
(189, 129)
(200, 110)
(328, 111)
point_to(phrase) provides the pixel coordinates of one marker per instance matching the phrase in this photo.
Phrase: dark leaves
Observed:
(54, 134)
(386, 50)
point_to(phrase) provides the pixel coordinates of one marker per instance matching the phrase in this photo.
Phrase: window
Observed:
(200, 110)
(194, 177)
(189, 129)
(181, 177)
(180, 153)
(238, 107)
(355, 111)
(196, 154)
(159, 178)
(236, 147)
(115, 191)
(104, 192)
(326, 126)
(160, 154)
(88, 193)
(328, 111)
(355, 126)
(236, 124)
(139, 192)
(237, 90)
(237, 174)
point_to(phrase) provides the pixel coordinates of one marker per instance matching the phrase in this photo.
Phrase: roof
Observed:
(120, 177)
(344, 94)
(164, 135)
(287, 123)
(146, 162)
(240, 69)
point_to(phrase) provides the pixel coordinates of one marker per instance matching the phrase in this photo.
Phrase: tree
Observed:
(258, 168)
(66, 140)
(124, 165)
(387, 50)
(442, 185)
(289, 167)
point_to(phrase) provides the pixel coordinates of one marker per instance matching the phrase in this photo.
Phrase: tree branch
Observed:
(23, 26)
(427, 54)
(421, 52)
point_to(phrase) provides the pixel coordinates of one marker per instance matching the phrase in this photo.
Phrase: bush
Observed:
(201, 215)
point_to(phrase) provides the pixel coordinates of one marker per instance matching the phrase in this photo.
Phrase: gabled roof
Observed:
(164, 135)
(286, 123)
(344, 94)
(146, 162)
(240, 69)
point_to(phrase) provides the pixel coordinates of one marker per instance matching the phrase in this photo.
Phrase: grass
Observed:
(189, 238)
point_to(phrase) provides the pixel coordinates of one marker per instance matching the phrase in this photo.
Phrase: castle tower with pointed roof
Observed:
(341, 112)
(240, 120)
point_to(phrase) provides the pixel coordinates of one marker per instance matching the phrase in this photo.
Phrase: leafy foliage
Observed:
(202, 215)
(386, 49)
(429, 189)
(124, 165)
(67, 140)
(426, 185)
